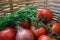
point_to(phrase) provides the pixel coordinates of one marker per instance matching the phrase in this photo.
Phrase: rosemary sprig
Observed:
(18, 17)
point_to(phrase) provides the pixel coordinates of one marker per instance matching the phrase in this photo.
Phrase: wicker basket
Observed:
(7, 6)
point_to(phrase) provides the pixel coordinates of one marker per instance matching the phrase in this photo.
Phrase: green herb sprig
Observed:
(19, 16)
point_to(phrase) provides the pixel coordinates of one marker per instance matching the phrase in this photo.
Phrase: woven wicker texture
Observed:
(7, 6)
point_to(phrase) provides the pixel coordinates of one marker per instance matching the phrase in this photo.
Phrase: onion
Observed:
(24, 34)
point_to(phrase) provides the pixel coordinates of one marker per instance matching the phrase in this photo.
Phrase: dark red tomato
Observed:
(44, 37)
(26, 24)
(56, 28)
(38, 32)
(45, 12)
(7, 34)
(48, 32)
(46, 22)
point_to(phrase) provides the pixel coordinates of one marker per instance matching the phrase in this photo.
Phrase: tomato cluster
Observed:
(49, 30)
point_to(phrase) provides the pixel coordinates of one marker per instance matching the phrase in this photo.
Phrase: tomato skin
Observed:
(7, 34)
(48, 31)
(53, 22)
(45, 12)
(44, 37)
(26, 24)
(38, 32)
(56, 28)
(39, 15)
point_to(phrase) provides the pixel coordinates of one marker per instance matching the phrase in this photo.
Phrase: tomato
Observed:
(38, 32)
(53, 22)
(45, 12)
(56, 28)
(7, 34)
(44, 37)
(39, 15)
(48, 31)
(26, 24)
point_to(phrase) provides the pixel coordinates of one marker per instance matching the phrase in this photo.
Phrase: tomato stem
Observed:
(52, 32)
(43, 18)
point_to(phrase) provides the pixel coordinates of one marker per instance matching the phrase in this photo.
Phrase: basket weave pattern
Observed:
(7, 6)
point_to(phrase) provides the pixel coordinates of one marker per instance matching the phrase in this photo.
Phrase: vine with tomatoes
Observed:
(28, 24)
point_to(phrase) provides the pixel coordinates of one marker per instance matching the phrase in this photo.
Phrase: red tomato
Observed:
(54, 22)
(56, 28)
(39, 15)
(7, 34)
(45, 12)
(48, 31)
(38, 32)
(25, 24)
(44, 37)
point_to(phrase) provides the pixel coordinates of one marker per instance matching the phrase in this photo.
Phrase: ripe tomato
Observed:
(53, 22)
(45, 12)
(39, 15)
(7, 34)
(56, 28)
(48, 31)
(38, 32)
(26, 24)
(44, 37)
